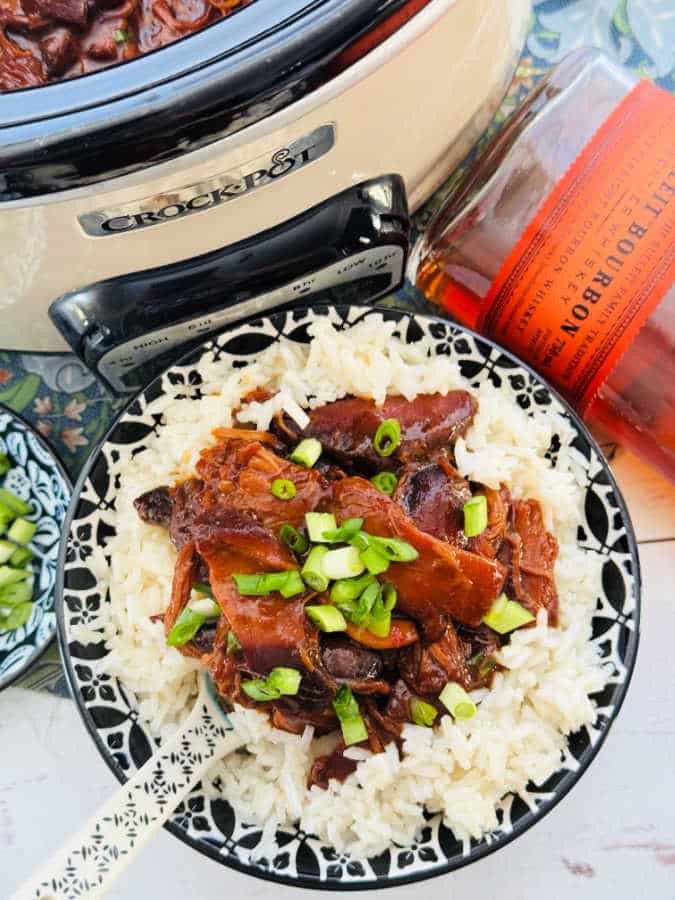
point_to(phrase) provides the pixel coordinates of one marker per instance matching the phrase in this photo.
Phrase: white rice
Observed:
(463, 768)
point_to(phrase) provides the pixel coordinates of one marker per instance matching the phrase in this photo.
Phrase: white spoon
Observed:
(93, 858)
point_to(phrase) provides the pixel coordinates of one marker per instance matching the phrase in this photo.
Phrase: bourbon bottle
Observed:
(560, 245)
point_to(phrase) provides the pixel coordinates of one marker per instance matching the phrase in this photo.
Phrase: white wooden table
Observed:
(612, 837)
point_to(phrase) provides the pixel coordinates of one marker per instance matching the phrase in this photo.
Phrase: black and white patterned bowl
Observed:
(211, 826)
(37, 477)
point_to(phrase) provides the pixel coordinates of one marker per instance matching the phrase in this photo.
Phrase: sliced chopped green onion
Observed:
(353, 731)
(393, 548)
(345, 532)
(345, 562)
(457, 701)
(294, 539)
(22, 531)
(187, 625)
(16, 504)
(20, 557)
(12, 576)
(326, 618)
(7, 548)
(206, 607)
(385, 482)
(204, 589)
(280, 682)
(5, 464)
(351, 721)
(7, 515)
(497, 609)
(379, 625)
(122, 36)
(250, 585)
(475, 515)
(349, 589)
(17, 617)
(361, 540)
(357, 609)
(370, 595)
(422, 713)
(257, 689)
(13, 594)
(389, 596)
(233, 645)
(312, 571)
(365, 604)
(347, 608)
(374, 561)
(387, 437)
(283, 489)
(307, 452)
(379, 620)
(507, 615)
(284, 680)
(259, 585)
(264, 583)
(317, 524)
(293, 585)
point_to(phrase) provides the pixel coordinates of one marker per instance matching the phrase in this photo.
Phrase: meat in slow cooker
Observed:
(49, 40)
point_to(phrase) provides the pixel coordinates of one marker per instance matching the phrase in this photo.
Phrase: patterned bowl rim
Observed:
(10, 677)
(477, 852)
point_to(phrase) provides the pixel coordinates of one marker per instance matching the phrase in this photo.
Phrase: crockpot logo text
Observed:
(212, 192)
(281, 164)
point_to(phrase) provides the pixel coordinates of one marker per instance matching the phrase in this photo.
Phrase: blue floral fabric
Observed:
(69, 408)
(639, 34)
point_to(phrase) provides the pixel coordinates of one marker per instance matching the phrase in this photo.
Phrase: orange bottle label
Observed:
(599, 255)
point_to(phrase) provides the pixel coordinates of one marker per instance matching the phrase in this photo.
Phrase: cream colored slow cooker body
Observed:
(411, 107)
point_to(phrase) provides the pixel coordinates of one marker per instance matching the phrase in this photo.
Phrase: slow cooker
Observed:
(274, 155)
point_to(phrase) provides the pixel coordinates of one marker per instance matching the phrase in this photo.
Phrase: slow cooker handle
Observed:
(350, 248)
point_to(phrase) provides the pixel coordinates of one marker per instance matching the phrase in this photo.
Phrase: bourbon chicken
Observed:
(346, 575)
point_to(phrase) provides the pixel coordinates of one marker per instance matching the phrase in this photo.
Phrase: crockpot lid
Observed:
(177, 98)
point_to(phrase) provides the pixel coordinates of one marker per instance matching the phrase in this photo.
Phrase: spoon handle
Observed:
(94, 857)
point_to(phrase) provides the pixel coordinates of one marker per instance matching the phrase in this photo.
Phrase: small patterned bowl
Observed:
(211, 826)
(38, 478)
